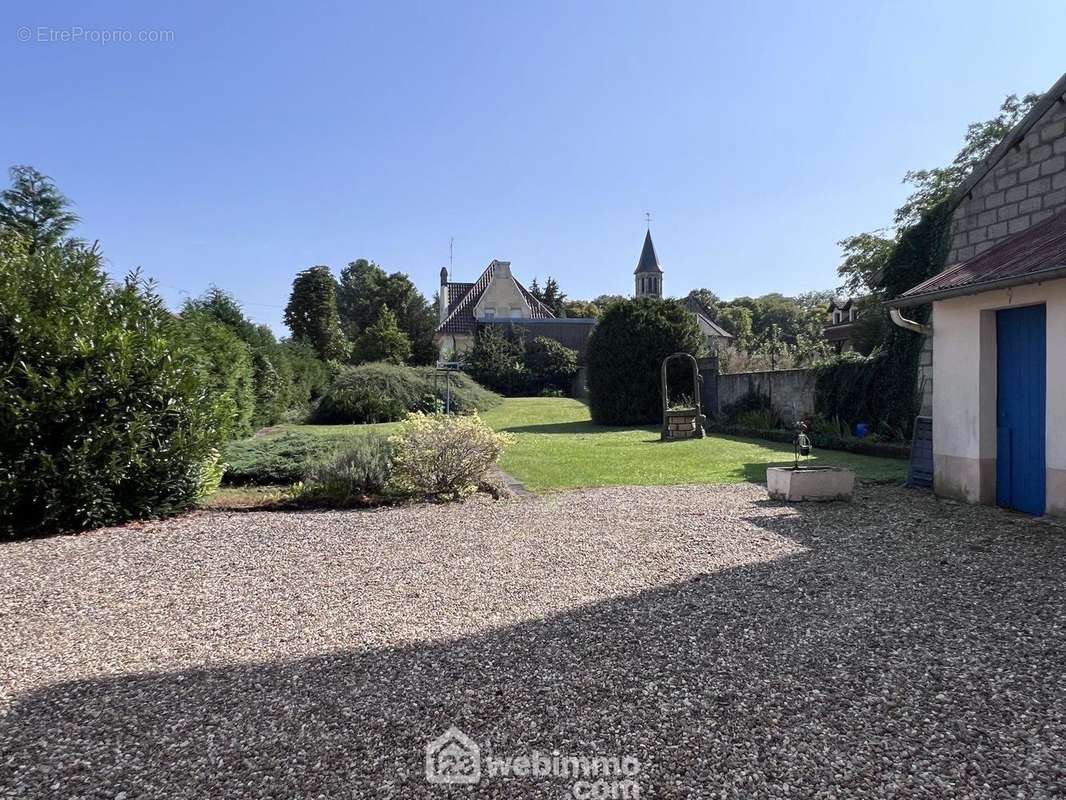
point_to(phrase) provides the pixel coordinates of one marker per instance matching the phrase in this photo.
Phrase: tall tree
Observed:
(35, 209)
(383, 340)
(364, 289)
(864, 255)
(553, 297)
(311, 313)
(708, 299)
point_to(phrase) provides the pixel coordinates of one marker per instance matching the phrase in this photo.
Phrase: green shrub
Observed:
(759, 420)
(225, 364)
(103, 416)
(358, 476)
(444, 456)
(273, 460)
(625, 356)
(752, 410)
(388, 392)
(551, 366)
(497, 361)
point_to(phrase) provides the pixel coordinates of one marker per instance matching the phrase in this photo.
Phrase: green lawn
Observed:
(558, 447)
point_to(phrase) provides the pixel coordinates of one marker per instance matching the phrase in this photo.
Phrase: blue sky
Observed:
(264, 138)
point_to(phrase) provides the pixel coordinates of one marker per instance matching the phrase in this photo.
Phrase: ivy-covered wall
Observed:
(882, 389)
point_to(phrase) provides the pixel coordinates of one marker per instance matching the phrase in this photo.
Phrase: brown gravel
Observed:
(895, 647)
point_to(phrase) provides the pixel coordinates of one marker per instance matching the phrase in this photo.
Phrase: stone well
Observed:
(686, 423)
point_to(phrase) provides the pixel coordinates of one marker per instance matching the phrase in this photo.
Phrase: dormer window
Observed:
(851, 314)
(836, 317)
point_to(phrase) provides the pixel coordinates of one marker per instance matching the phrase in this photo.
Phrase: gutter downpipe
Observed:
(909, 324)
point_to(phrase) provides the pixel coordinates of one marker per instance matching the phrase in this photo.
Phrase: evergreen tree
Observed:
(384, 341)
(364, 288)
(34, 209)
(311, 313)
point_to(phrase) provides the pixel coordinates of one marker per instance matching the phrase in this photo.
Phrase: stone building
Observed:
(997, 339)
(840, 323)
(648, 276)
(495, 296)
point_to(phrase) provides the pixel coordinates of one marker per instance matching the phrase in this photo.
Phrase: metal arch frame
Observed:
(695, 388)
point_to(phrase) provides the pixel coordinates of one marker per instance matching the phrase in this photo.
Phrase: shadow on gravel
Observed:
(898, 663)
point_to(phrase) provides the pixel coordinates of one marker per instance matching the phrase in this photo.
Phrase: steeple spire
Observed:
(648, 276)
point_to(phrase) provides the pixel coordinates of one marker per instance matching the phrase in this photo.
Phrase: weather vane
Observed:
(647, 217)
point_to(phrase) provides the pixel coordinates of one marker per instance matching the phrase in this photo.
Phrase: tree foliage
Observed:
(383, 340)
(364, 289)
(34, 209)
(551, 295)
(311, 313)
(625, 355)
(104, 415)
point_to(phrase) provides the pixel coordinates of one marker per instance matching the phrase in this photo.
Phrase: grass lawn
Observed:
(558, 447)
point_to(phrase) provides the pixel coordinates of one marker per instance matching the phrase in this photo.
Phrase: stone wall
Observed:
(792, 390)
(1026, 186)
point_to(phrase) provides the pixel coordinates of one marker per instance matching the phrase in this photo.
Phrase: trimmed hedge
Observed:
(625, 356)
(387, 392)
(104, 415)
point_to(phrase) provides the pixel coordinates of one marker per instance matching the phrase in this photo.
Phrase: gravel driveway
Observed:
(895, 647)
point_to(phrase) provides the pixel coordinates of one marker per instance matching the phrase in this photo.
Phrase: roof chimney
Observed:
(443, 276)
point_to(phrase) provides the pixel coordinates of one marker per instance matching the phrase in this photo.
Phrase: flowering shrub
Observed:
(444, 456)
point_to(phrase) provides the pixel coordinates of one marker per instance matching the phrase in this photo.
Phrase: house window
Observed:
(851, 314)
(516, 313)
(836, 317)
(489, 313)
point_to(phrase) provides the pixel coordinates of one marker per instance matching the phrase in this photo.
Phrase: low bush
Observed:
(868, 446)
(753, 410)
(387, 392)
(444, 456)
(274, 460)
(360, 475)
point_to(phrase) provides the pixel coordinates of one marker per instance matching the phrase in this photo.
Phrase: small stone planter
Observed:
(683, 423)
(820, 484)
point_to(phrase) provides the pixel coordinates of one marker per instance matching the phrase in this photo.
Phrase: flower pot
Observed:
(819, 484)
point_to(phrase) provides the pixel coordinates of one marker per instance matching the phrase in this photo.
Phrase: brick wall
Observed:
(1026, 186)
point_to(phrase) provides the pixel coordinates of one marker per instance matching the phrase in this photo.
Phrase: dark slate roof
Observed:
(649, 262)
(1033, 255)
(840, 304)
(462, 300)
(700, 310)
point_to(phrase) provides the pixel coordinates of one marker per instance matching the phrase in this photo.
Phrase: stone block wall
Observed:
(1026, 186)
(792, 390)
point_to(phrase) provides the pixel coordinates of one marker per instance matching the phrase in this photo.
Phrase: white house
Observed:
(998, 325)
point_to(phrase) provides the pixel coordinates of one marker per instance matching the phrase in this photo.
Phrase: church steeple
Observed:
(648, 276)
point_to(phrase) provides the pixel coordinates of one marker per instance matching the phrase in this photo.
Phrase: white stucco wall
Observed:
(503, 296)
(964, 391)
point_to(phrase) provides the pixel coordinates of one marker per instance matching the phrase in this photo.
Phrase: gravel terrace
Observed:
(899, 646)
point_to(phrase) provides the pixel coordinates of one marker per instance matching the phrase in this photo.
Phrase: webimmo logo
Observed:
(453, 758)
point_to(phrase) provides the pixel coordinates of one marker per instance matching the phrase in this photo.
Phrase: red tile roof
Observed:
(1030, 256)
(462, 300)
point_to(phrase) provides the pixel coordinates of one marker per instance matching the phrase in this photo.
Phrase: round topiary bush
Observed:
(625, 355)
(380, 392)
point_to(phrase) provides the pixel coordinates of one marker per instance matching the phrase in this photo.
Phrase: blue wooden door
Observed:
(1021, 346)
